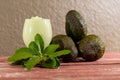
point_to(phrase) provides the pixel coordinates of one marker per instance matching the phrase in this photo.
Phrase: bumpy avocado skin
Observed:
(91, 47)
(65, 42)
(75, 27)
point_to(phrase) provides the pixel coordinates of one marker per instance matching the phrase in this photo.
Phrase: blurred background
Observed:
(101, 16)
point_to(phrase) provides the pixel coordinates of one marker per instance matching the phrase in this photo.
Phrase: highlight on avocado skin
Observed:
(89, 49)
(45, 51)
(65, 42)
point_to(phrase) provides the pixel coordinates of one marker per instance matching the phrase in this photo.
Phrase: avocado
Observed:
(91, 47)
(65, 42)
(75, 26)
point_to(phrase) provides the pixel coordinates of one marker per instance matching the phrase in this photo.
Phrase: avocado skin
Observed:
(65, 42)
(91, 47)
(75, 26)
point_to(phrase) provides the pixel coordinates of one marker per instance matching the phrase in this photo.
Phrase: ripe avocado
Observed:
(65, 42)
(75, 27)
(91, 47)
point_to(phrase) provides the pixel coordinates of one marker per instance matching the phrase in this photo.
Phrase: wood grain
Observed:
(107, 68)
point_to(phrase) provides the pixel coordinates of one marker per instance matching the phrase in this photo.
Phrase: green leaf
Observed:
(22, 53)
(51, 48)
(57, 63)
(20, 62)
(40, 42)
(60, 53)
(33, 61)
(34, 47)
(51, 63)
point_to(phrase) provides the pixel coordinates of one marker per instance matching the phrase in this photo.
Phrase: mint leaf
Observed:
(20, 62)
(32, 62)
(32, 56)
(57, 63)
(60, 53)
(40, 42)
(34, 47)
(51, 63)
(22, 53)
(51, 48)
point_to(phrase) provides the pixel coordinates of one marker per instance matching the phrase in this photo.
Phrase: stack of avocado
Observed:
(89, 47)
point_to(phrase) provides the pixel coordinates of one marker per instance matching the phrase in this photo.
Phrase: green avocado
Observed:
(91, 47)
(75, 26)
(65, 42)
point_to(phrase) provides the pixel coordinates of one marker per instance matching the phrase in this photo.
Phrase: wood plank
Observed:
(106, 68)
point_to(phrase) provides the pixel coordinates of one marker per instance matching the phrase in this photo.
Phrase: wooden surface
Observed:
(107, 68)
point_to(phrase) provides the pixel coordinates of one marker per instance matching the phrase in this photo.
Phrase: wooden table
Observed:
(106, 68)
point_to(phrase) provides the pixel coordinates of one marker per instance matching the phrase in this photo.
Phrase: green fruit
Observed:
(66, 42)
(75, 26)
(91, 47)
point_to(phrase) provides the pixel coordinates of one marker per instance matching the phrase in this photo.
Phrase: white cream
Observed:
(37, 25)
